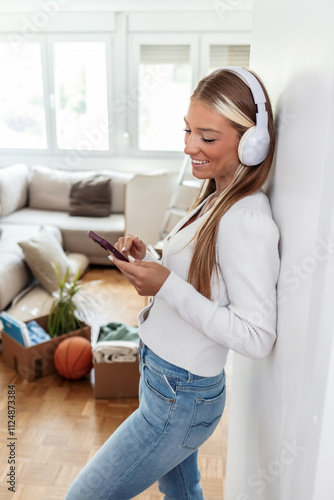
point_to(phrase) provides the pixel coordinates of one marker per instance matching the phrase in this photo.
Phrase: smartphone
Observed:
(106, 245)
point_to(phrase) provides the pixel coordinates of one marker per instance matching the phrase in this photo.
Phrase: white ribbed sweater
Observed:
(195, 333)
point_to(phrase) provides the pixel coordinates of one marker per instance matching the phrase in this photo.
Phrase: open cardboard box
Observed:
(36, 361)
(116, 380)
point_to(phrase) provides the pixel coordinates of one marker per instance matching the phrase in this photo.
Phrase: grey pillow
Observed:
(91, 197)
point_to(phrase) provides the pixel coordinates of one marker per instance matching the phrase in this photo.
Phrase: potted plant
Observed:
(65, 315)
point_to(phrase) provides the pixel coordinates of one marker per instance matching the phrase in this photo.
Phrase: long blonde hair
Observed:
(226, 93)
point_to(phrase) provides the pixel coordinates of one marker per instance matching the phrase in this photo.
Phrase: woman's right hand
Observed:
(131, 245)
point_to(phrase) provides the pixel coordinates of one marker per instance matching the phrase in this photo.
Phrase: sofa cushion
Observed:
(14, 182)
(16, 230)
(42, 252)
(50, 188)
(74, 229)
(91, 197)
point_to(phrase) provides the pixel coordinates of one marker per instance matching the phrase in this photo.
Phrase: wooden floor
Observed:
(59, 424)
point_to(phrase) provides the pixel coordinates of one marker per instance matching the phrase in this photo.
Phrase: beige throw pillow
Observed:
(91, 197)
(41, 252)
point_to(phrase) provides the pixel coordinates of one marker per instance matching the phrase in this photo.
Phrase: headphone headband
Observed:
(252, 82)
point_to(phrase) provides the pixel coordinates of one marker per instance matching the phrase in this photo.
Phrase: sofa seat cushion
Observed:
(74, 229)
(13, 232)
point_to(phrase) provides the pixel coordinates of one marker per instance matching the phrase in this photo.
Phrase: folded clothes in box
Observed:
(118, 331)
(117, 343)
(116, 361)
(115, 351)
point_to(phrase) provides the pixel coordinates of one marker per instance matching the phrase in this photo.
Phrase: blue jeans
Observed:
(177, 412)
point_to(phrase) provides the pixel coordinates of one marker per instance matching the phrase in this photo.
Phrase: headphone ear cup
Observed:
(242, 153)
(254, 146)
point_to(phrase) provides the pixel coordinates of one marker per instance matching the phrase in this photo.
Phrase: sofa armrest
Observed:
(146, 201)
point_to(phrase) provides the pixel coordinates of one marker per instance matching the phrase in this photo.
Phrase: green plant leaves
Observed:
(63, 314)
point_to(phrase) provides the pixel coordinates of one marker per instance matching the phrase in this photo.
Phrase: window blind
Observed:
(165, 54)
(229, 55)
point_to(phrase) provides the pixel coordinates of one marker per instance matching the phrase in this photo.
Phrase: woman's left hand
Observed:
(146, 277)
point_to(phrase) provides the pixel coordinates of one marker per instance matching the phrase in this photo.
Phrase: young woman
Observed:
(214, 290)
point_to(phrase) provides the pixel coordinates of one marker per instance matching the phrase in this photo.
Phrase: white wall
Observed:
(282, 409)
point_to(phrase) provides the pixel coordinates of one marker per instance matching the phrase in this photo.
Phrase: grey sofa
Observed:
(38, 198)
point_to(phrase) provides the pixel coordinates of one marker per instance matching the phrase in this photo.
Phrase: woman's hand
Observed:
(146, 277)
(131, 245)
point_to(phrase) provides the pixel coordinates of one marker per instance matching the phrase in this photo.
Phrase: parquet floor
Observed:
(59, 424)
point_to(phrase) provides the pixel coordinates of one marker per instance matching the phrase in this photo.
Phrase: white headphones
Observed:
(254, 144)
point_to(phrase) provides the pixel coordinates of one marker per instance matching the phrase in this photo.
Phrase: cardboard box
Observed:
(36, 361)
(116, 380)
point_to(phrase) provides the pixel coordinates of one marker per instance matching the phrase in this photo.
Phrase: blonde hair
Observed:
(226, 93)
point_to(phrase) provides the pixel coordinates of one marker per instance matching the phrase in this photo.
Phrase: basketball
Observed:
(73, 358)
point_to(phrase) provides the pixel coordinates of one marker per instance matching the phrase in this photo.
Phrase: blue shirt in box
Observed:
(36, 333)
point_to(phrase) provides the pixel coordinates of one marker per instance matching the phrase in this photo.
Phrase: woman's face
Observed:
(212, 144)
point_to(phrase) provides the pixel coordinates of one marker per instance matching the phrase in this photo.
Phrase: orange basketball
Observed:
(73, 358)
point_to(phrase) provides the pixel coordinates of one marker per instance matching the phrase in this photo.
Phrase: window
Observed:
(67, 89)
(165, 83)
(167, 75)
(22, 111)
(81, 104)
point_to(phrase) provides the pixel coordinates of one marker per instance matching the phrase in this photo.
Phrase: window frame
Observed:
(46, 42)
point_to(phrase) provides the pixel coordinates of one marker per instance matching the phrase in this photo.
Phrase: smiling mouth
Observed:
(199, 162)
